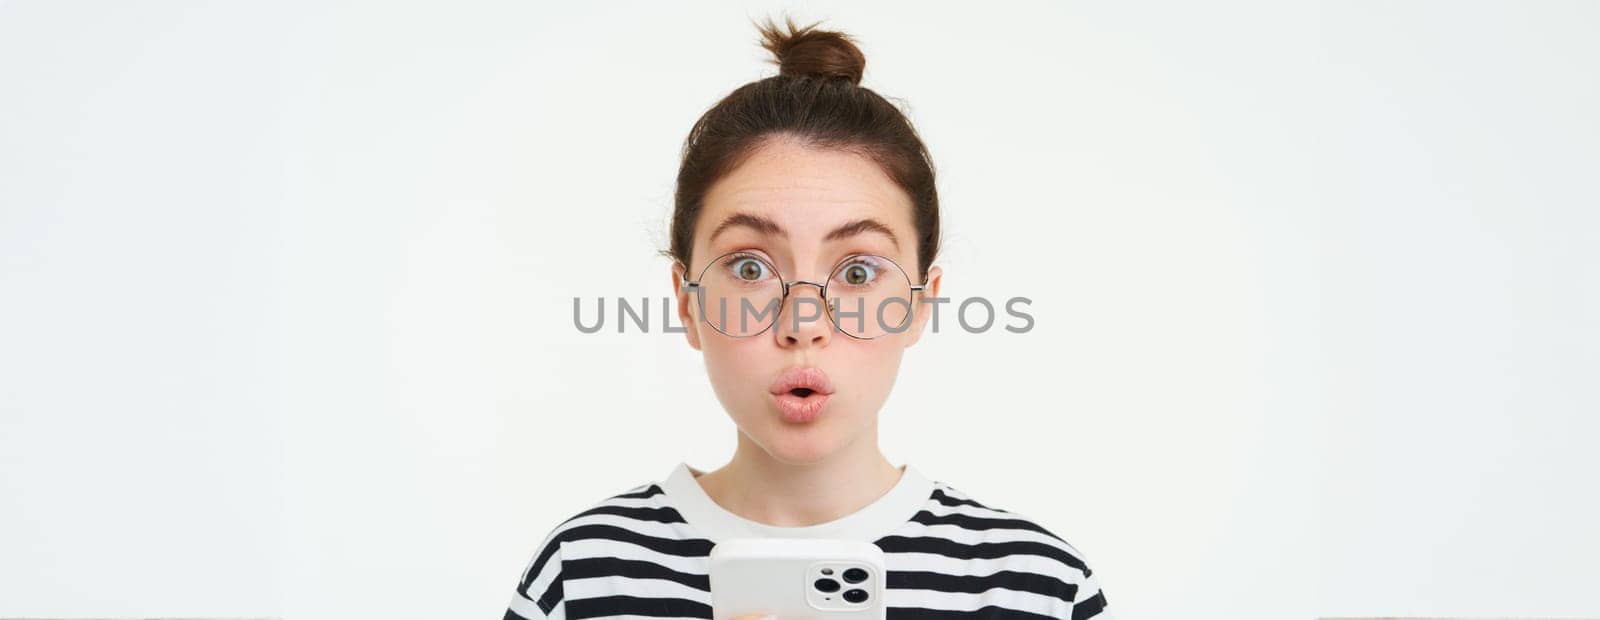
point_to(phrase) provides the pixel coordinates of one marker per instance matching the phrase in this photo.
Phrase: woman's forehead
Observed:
(807, 192)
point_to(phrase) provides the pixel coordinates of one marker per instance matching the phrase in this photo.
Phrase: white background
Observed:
(286, 294)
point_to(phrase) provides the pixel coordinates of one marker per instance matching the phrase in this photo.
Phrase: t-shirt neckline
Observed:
(870, 523)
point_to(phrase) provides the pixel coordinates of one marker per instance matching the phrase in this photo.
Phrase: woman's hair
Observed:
(817, 99)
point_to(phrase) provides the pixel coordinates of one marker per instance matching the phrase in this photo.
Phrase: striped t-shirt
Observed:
(645, 553)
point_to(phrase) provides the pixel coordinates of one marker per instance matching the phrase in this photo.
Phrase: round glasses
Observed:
(741, 294)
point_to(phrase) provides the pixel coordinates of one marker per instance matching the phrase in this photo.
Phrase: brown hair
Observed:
(817, 99)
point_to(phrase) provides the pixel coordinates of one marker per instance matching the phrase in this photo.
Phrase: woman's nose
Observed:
(804, 320)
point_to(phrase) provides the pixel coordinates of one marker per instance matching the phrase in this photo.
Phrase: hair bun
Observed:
(806, 51)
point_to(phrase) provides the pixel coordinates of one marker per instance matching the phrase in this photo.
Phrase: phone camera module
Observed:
(828, 585)
(855, 596)
(855, 575)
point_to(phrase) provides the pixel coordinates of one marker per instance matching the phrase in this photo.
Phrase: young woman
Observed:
(793, 189)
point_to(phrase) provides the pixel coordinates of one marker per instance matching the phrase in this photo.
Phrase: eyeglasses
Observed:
(740, 294)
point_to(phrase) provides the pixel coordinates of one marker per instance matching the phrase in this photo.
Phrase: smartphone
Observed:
(797, 579)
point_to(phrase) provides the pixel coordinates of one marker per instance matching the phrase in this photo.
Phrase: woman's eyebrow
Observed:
(863, 225)
(766, 226)
(754, 222)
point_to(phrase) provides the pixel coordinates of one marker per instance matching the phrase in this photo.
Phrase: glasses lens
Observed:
(739, 294)
(870, 296)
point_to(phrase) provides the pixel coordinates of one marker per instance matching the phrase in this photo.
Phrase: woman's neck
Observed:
(760, 488)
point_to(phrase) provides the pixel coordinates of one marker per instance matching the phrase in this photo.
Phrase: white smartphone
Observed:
(797, 579)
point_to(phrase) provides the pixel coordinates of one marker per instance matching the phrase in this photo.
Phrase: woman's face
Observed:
(802, 210)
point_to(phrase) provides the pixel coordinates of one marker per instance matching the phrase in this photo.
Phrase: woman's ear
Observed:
(924, 306)
(691, 328)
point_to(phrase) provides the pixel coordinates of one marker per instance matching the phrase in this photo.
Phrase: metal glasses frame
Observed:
(822, 291)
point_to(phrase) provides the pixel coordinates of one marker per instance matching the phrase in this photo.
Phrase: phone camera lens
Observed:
(828, 585)
(855, 575)
(855, 596)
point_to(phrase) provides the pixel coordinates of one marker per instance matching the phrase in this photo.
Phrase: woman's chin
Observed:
(799, 446)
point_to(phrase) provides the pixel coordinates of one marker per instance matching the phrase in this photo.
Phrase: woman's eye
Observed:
(856, 274)
(749, 269)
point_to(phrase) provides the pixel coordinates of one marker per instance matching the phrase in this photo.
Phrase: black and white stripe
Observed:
(635, 556)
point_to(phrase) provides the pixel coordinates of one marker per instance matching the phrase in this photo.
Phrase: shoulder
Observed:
(635, 522)
(631, 515)
(954, 533)
(952, 514)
